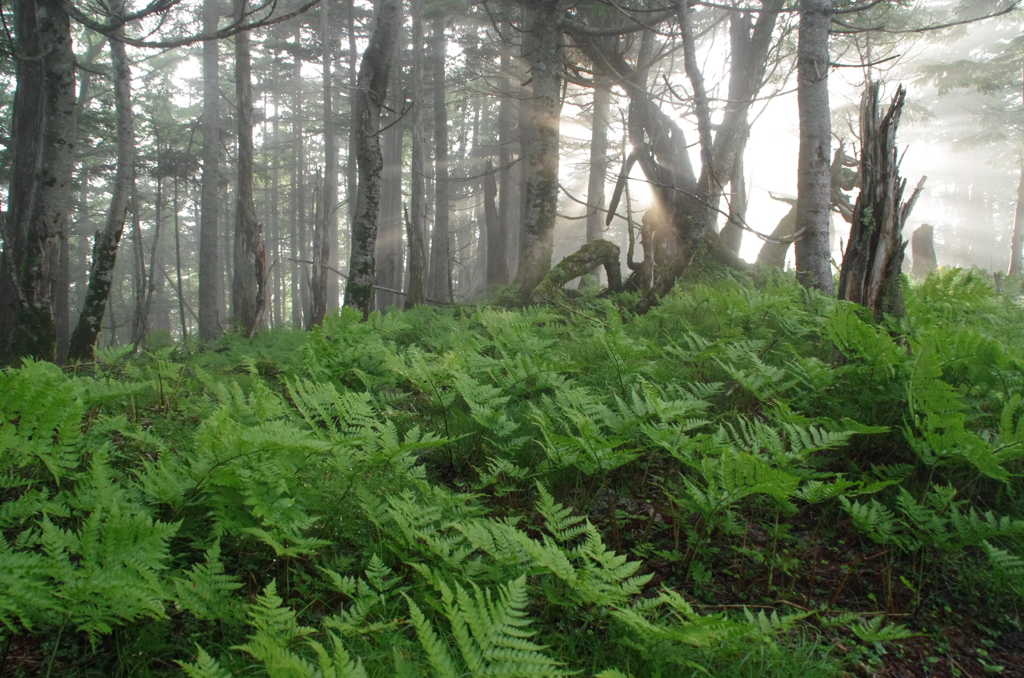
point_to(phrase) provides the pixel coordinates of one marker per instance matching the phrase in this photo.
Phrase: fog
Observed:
(964, 142)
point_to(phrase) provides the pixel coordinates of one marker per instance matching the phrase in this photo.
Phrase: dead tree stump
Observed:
(922, 251)
(874, 255)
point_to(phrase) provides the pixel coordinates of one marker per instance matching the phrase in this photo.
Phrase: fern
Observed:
(875, 630)
(873, 519)
(205, 666)
(491, 632)
(206, 589)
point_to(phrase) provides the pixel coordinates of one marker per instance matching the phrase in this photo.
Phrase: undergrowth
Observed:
(748, 480)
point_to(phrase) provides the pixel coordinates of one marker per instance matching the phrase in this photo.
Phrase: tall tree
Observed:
(508, 195)
(39, 193)
(416, 217)
(62, 282)
(248, 293)
(541, 143)
(389, 239)
(104, 250)
(374, 71)
(329, 198)
(209, 262)
(299, 288)
(439, 280)
(814, 182)
(598, 156)
(686, 203)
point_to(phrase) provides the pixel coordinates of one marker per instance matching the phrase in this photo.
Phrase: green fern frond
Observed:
(206, 590)
(493, 632)
(338, 663)
(437, 652)
(875, 630)
(205, 666)
(558, 520)
(1004, 561)
(873, 519)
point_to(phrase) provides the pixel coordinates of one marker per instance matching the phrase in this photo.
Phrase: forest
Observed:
(613, 338)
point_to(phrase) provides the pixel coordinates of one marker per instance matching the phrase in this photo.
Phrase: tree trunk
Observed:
(497, 273)
(104, 251)
(508, 196)
(439, 280)
(138, 318)
(38, 200)
(248, 293)
(275, 217)
(329, 196)
(321, 251)
(351, 163)
(813, 261)
(1017, 239)
(685, 209)
(416, 218)
(62, 283)
(389, 241)
(146, 287)
(540, 150)
(732, 232)
(773, 252)
(177, 266)
(598, 158)
(369, 98)
(210, 290)
(874, 256)
(300, 292)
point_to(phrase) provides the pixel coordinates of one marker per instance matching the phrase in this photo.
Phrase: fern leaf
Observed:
(205, 666)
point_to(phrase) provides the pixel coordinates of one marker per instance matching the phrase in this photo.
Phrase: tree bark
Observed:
(439, 276)
(416, 217)
(62, 283)
(369, 99)
(329, 196)
(732, 233)
(813, 261)
(508, 194)
(1017, 238)
(274, 206)
(390, 262)
(874, 255)
(177, 265)
(300, 291)
(248, 287)
(598, 157)
(210, 293)
(540, 150)
(39, 195)
(104, 252)
(318, 285)
(497, 273)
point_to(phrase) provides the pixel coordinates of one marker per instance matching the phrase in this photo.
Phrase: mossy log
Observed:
(586, 259)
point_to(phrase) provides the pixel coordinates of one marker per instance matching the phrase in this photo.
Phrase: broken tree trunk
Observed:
(595, 253)
(874, 254)
(922, 251)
